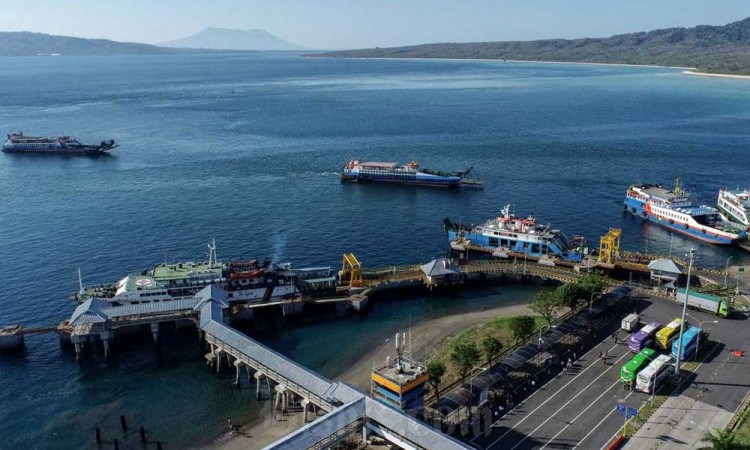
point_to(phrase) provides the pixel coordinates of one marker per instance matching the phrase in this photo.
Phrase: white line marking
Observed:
(600, 422)
(566, 404)
(614, 436)
(561, 408)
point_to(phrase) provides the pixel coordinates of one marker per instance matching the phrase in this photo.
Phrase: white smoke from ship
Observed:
(279, 245)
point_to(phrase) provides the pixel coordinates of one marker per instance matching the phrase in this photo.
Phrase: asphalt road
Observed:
(577, 410)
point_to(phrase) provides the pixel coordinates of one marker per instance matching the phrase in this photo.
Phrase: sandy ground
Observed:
(426, 335)
(717, 75)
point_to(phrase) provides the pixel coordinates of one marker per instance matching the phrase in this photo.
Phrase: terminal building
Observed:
(400, 383)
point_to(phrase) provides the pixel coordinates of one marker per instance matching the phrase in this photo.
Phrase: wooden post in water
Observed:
(98, 435)
(143, 435)
(123, 423)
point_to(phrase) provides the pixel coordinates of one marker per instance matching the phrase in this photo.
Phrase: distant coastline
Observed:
(685, 70)
(651, 66)
(721, 49)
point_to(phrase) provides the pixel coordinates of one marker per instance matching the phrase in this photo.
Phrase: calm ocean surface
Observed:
(246, 149)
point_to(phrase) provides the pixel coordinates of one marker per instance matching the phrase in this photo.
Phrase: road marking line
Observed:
(600, 422)
(579, 414)
(561, 408)
(614, 436)
(566, 404)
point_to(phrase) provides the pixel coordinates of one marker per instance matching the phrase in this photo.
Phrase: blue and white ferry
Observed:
(674, 209)
(507, 235)
(393, 173)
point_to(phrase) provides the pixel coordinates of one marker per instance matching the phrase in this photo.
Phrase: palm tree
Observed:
(720, 440)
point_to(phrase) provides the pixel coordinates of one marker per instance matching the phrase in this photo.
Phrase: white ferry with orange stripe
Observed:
(674, 209)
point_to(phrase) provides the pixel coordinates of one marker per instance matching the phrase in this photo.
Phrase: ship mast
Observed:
(212, 253)
(80, 282)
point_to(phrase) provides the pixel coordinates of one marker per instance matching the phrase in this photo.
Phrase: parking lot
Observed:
(578, 409)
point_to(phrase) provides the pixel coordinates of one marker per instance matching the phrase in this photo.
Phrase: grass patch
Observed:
(498, 327)
(742, 431)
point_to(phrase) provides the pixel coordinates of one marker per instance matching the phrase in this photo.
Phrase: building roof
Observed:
(95, 310)
(90, 311)
(664, 265)
(439, 267)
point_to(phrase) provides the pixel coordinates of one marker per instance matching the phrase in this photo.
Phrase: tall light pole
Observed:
(691, 254)
(726, 271)
(700, 325)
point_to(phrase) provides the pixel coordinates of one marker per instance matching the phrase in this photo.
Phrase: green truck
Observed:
(704, 302)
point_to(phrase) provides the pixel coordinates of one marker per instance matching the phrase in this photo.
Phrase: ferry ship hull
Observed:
(735, 206)
(392, 173)
(509, 234)
(61, 145)
(93, 151)
(696, 231)
(453, 182)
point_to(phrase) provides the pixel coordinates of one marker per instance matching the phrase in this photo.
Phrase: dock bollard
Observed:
(98, 435)
(143, 435)
(123, 423)
(117, 444)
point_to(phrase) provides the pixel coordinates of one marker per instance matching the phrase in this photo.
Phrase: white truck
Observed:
(630, 322)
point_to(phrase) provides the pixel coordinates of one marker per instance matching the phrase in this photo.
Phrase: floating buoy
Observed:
(738, 353)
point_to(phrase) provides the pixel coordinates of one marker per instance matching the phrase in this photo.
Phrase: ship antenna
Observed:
(212, 253)
(80, 282)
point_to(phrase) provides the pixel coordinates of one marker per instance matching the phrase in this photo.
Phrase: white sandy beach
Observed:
(716, 75)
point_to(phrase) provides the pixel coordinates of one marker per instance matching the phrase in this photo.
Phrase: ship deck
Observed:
(181, 271)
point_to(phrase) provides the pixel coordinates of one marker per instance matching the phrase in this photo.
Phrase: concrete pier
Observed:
(11, 338)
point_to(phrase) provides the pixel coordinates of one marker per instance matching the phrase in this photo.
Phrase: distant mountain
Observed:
(25, 43)
(718, 49)
(225, 39)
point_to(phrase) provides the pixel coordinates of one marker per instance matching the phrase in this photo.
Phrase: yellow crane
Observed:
(609, 246)
(351, 270)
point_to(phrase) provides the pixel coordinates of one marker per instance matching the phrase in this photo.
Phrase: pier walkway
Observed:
(345, 410)
(348, 410)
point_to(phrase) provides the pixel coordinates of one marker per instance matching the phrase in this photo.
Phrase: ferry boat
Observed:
(735, 205)
(674, 209)
(393, 173)
(508, 234)
(246, 282)
(20, 143)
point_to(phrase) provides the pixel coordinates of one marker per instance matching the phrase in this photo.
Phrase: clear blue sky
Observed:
(364, 23)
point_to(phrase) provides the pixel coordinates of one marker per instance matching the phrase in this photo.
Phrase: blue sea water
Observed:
(246, 148)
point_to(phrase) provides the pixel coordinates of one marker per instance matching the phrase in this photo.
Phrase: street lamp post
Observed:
(691, 254)
(700, 325)
(726, 271)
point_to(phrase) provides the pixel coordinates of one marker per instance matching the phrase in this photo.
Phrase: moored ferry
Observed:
(674, 209)
(393, 173)
(735, 205)
(508, 234)
(246, 282)
(20, 143)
